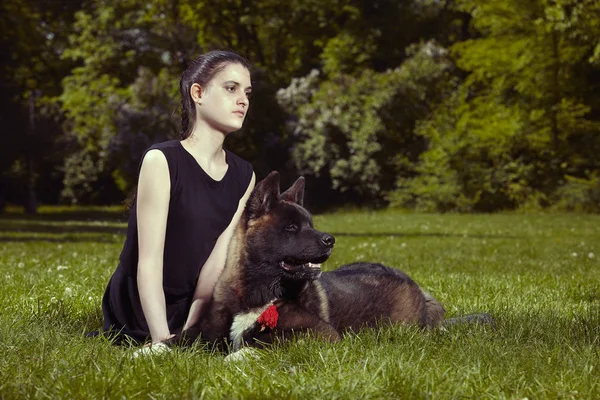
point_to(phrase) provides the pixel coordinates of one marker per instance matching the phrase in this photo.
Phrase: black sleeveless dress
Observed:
(200, 209)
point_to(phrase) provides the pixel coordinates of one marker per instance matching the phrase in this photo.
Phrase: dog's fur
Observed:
(274, 259)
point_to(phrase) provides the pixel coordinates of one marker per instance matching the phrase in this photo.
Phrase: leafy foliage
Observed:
(439, 105)
(351, 128)
(32, 36)
(513, 130)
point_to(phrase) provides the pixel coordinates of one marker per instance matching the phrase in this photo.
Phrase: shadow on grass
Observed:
(59, 226)
(71, 215)
(32, 227)
(53, 239)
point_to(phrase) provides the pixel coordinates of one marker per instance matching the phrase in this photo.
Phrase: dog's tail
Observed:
(435, 315)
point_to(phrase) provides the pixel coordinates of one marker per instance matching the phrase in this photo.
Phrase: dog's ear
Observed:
(295, 193)
(264, 197)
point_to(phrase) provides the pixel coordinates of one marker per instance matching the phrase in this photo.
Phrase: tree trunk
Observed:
(30, 203)
(555, 92)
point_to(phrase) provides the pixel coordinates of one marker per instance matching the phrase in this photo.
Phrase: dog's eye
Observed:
(291, 227)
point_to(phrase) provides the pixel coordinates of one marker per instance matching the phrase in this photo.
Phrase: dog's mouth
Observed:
(302, 269)
(307, 271)
(299, 267)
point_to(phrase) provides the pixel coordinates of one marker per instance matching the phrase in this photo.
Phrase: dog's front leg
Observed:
(297, 320)
(292, 321)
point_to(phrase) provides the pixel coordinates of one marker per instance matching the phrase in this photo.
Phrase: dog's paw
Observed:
(245, 353)
(153, 350)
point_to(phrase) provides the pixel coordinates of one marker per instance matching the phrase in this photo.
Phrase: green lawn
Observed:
(538, 275)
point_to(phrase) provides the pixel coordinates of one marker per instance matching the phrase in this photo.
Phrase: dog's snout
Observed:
(328, 240)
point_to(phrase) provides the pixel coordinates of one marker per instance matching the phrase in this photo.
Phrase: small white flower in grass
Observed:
(61, 267)
(21, 265)
(90, 298)
(403, 245)
(591, 255)
(53, 300)
(573, 254)
(68, 291)
(59, 246)
(74, 254)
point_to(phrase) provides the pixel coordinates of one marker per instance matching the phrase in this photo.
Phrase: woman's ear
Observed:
(196, 92)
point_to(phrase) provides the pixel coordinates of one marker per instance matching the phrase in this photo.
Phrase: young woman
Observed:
(190, 196)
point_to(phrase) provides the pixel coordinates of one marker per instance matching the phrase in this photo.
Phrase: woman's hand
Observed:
(153, 348)
(159, 340)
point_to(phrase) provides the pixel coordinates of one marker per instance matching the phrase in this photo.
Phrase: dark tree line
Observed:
(436, 105)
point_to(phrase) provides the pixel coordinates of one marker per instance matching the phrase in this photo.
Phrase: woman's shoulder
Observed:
(170, 153)
(171, 150)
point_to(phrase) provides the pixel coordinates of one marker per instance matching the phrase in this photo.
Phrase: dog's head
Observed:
(280, 236)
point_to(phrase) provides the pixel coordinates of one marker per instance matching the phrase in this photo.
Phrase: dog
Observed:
(272, 284)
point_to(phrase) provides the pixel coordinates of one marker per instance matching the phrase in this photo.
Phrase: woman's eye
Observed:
(230, 89)
(291, 227)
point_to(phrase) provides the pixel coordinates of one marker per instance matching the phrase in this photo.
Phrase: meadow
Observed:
(538, 275)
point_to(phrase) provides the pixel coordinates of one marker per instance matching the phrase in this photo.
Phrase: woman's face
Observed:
(225, 100)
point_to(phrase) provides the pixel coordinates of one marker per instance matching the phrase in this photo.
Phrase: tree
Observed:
(122, 95)
(359, 130)
(526, 116)
(32, 36)
(353, 121)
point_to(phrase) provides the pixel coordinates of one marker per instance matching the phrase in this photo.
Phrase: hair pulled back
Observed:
(201, 71)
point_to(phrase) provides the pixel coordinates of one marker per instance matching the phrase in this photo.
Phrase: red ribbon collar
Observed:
(269, 318)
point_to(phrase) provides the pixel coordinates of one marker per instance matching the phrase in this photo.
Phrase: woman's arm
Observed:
(153, 195)
(215, 263)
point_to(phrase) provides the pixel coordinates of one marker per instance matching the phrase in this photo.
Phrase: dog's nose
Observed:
(328, 240)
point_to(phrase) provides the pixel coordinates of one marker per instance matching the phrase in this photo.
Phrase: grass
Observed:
(538, 275)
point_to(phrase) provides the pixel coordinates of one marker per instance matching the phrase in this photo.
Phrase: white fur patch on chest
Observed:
(243, 322)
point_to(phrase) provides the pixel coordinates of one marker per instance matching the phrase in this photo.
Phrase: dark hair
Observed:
(201, 71)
